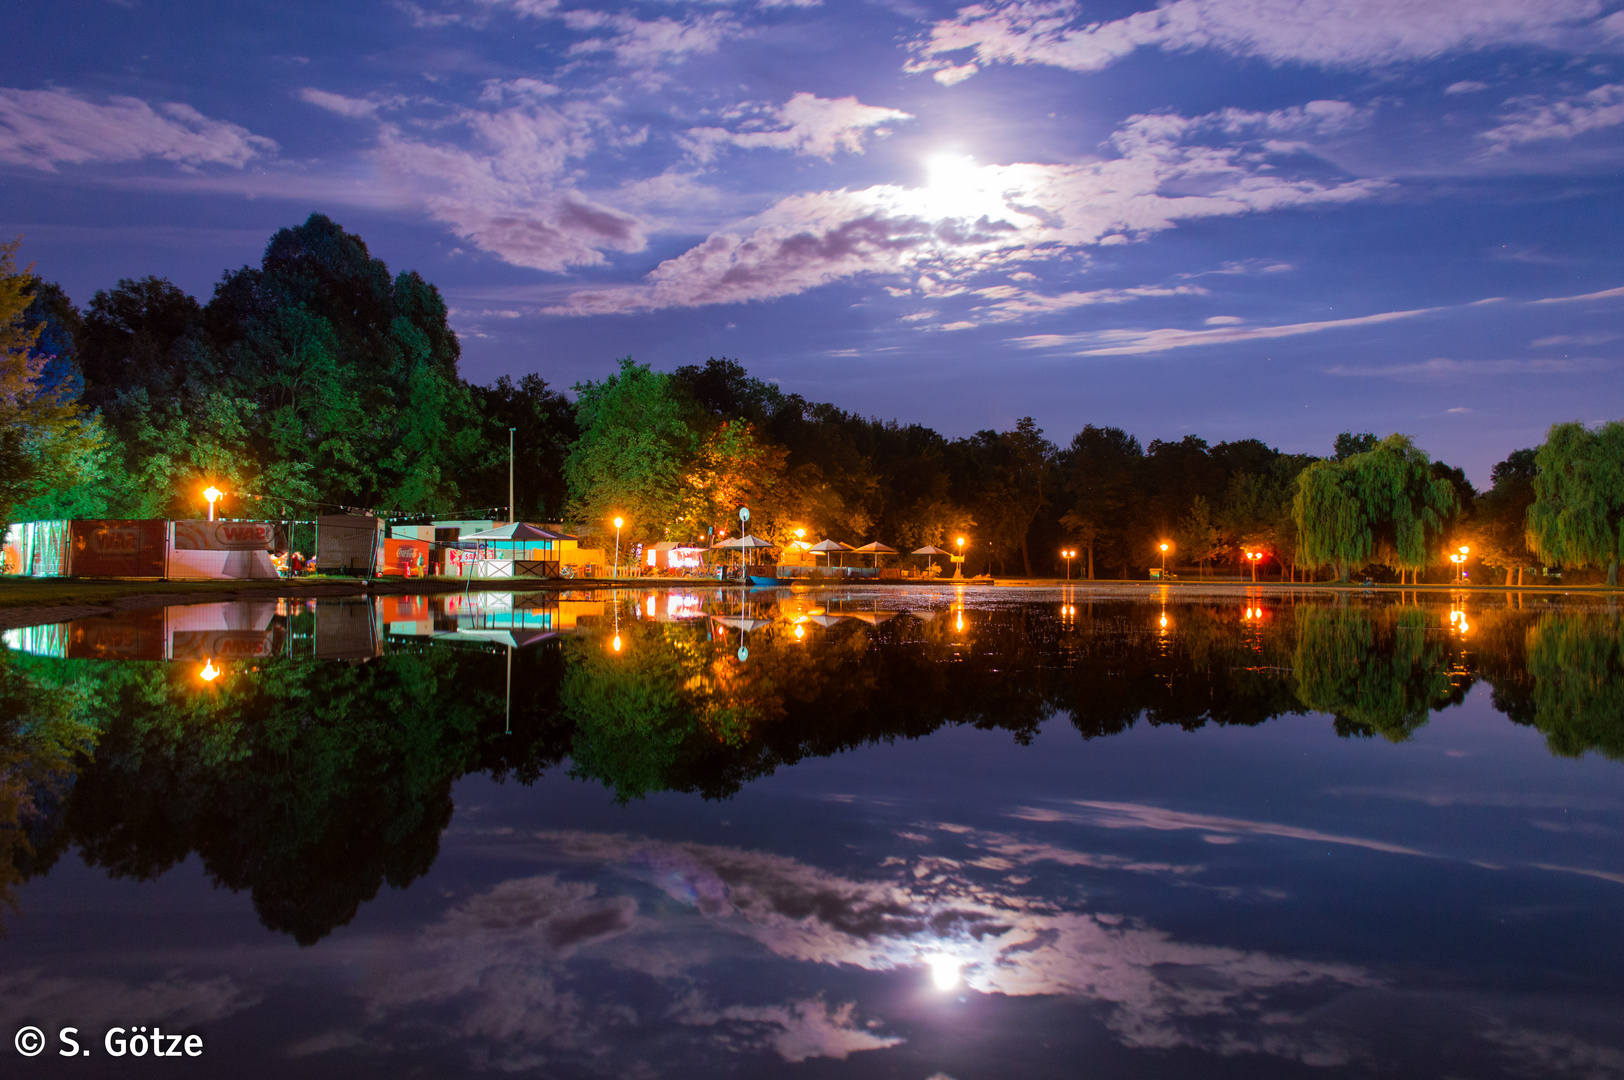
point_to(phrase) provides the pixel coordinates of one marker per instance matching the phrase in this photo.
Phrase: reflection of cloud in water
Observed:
(1554, 1053)
(502, 957)
(1109, 815)
(95, 1003)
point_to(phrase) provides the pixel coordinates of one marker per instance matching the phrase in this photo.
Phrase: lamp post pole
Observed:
(510, 475)
(618, 523)
(1164, 562)
(958, 564)
(1067, 556)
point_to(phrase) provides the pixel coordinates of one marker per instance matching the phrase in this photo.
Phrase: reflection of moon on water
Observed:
(744, 654)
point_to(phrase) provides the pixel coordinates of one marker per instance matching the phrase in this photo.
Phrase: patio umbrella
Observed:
(742, 544)
(931, 551)
(876, 549)
(828, 547)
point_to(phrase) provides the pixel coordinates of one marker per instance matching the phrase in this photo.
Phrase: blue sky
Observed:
(1271, 218)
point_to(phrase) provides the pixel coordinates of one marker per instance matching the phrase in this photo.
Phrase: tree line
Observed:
(320, 380)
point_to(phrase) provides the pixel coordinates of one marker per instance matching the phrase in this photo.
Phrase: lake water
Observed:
(937, 833)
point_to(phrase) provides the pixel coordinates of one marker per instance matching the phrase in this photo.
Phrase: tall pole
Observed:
(510, 476)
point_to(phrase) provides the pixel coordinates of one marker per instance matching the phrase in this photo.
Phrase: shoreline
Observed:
(31, 602)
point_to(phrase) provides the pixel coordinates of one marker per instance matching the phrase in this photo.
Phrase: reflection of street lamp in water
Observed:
(209, 672)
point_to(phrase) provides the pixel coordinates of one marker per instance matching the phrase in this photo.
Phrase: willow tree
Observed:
(1383, 504)
(1577, 517)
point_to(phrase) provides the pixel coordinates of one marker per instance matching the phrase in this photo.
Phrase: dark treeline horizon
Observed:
(320, 379)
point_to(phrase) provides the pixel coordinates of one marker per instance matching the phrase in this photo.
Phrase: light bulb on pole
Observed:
(212, 493)
(1164, 559)
(618, 523)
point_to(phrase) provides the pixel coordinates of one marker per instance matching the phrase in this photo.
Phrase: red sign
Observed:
(117, 548)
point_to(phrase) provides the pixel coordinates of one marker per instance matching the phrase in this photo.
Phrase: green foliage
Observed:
(1499, 528)
(1577, 516)
(1375, 673)
(634, 446)
(46, 440)
(1384, 504)
(1577, 665)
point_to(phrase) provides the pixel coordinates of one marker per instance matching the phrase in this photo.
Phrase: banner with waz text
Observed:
(226, 535)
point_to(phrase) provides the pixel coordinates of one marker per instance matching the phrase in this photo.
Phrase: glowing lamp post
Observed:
(212, 494)
(1253, 557)
(1164, 559)
(209, 672)
(1068, 555)
(618, 523)
(958, 562)
(1464, 551)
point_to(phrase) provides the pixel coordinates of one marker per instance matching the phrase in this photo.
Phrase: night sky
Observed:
(1270, 218)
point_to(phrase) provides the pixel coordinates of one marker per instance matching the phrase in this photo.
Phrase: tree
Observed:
(46, 440)
(1499, 527)
(1383, 503)
(1197, 535)
(630, 459)
(1348, 444)
(1099, 470)
(1577, 517)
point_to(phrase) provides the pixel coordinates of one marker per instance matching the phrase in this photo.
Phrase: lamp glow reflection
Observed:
(209, 672)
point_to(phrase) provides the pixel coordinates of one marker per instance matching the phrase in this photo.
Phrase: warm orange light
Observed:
(800, 632)
(619, 522)
(209, 672)
(800, 534)
(1464, 550)
(1164, 622)
(617, 643)
(960, 623)
(212, 493)
(1164, 547)
(961, 541)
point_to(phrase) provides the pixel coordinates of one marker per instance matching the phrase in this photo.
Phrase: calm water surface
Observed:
(920, 834)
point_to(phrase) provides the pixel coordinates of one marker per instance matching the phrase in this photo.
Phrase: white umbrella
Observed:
(828, 547)
(876, 549)
(931, 551)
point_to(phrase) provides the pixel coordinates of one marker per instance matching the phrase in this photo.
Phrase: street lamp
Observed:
(1164, 559)
(1253, 557)
(1464, 551)
(212, 493)
(1068, 555)
(958, 564)
(618, 523)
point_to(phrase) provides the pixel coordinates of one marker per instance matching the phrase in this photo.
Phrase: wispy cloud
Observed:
(1442, 368)
(1537, 119)
(1113, 815)
(805, 124)
(42, 129)
(1326, 33)
(1140, 342)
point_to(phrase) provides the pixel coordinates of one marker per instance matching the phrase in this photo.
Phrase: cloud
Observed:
(93, 1003)
(42, 129)
(1572, 339)
(507, 192)
(801, 1029)
(1013, 303)
(637, 43)
(355, 108)
(1604, 294)
(1535, 119)
(1139, 342)
(1325, 33)
(806, 124)
(1466, 86)
(1440, 368)
(969, 219)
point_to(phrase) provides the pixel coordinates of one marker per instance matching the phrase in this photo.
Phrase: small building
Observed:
(669, 555)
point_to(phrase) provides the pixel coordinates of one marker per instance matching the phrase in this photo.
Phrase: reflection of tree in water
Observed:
(312, 784)
(40, 740)
(309, 784)
(1376, 670)
(1576, 662)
